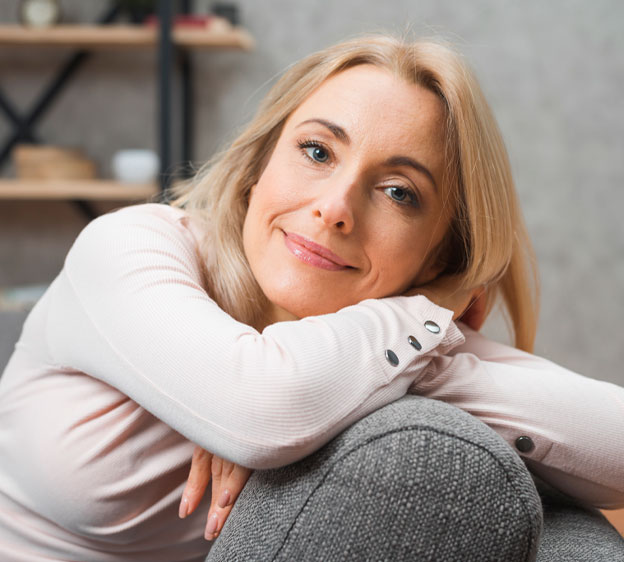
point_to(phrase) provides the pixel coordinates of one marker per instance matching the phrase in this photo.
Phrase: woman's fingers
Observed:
(476, 313)
(197, 482)
(468, 304)
(228, 480)
(448, 293)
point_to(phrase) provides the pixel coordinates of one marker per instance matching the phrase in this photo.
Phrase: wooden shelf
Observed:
(90, 190)
(93, 36)
(218, 35)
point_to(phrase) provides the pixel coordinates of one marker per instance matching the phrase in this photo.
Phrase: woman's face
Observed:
(350, 204)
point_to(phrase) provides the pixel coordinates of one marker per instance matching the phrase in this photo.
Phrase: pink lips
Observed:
(312, 253)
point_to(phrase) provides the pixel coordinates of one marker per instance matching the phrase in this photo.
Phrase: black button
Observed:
(414, 343)
(392, 358)
(524, 444)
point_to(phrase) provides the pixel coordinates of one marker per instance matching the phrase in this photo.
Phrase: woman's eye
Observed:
(402, 195)
(317, 153)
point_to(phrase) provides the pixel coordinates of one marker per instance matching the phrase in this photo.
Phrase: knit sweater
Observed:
(126, 362)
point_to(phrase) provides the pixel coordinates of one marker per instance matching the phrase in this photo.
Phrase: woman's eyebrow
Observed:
(337, 130)
(343, 137)
(407, 161)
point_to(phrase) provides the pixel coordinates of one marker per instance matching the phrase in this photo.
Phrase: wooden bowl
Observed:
(41, 162)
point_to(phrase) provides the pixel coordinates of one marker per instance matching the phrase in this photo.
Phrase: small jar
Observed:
(135, 166)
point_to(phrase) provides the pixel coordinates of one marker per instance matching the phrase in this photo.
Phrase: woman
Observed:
(279, 299)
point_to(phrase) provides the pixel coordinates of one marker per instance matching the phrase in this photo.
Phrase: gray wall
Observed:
(554, 74)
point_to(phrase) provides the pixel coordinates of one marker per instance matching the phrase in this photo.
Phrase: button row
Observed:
(391, 356)
(524, 444)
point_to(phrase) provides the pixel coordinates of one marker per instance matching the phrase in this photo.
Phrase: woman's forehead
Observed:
(369, 108)
(367, 95)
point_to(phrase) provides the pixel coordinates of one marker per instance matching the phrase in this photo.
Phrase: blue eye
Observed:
(402, 196)
(317, 153)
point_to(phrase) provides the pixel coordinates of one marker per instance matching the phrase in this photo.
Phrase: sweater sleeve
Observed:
(571, 427)
(129, 309)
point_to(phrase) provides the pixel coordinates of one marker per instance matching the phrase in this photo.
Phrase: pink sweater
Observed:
(126, 362)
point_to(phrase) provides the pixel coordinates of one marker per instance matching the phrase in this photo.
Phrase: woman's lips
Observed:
(313, 254)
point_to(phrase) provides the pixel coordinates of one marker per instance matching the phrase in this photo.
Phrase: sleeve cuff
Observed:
(424, 330)
(428, 315)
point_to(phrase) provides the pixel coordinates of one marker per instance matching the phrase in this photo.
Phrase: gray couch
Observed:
(417, 480)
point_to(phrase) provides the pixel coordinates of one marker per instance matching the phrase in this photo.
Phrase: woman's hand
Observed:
(228, 479)
(476, 312)
(468, 304)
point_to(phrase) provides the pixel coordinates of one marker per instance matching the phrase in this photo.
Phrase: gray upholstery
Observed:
(575, 534)
(415, 480)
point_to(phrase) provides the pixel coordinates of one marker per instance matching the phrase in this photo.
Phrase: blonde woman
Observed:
(305, 278)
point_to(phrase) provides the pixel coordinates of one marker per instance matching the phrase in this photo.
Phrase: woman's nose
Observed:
(336, 206)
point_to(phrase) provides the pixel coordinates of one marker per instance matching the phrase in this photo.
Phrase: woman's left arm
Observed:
(568, 429)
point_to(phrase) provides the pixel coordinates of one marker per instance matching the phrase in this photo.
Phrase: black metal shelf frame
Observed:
(24, 125)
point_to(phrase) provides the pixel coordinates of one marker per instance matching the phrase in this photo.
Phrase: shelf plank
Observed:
(93, 36)
(237, 38)
(90, 190)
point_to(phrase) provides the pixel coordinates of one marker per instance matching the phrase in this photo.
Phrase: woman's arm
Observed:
(129, 309)
(572, 427)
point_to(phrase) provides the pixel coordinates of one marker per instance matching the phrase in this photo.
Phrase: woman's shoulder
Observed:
(147, 217)
(149, 231)
(154, 212)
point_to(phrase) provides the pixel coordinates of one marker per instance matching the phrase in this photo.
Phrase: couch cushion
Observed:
(415, 480)
(573, 533)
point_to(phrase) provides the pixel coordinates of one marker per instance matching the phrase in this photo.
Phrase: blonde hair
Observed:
(487, 243)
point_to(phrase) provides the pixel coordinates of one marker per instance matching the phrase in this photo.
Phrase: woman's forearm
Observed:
(568, 428)
(129, 309)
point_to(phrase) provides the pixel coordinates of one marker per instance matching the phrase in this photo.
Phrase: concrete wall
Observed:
(553, 72)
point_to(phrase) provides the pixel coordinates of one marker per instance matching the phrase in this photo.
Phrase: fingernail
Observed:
(224, 500)
(184, 508)
(213, 521)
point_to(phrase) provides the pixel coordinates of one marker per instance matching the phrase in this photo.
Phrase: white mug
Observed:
(135, 165)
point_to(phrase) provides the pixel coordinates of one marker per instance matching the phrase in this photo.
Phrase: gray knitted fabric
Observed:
(415, 480)
(575, 534)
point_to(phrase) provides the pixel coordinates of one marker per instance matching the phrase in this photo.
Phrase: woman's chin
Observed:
(287, 311)
(280, 314)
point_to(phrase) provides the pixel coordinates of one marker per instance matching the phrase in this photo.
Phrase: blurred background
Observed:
(552, 71)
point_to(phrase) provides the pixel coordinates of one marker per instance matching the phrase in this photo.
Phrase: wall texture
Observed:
(553, 72)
